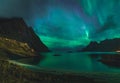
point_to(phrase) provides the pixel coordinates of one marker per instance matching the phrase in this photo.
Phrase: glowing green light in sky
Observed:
(89, 5)
(53, 42)
(86, 32)
(78, 22)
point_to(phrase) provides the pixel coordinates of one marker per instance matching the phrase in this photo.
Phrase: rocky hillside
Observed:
(16, 29)
(13, 47)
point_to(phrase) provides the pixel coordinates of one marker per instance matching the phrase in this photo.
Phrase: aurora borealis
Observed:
(67, 24)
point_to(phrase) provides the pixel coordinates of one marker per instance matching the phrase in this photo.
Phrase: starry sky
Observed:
(67, 24)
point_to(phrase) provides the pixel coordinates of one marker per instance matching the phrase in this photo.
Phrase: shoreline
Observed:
(91, 74)
(20, 74)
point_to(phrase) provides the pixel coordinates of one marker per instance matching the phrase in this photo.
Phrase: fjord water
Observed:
(76, 62)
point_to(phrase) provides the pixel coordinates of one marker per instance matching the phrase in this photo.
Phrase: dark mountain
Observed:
(16, 29)
(104, 46)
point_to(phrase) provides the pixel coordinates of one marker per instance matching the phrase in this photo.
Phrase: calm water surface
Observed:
(76, 62)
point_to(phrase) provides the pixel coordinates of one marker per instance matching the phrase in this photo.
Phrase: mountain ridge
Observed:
(107, 45)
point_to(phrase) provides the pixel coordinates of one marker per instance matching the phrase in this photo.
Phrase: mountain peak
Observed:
(17, 29)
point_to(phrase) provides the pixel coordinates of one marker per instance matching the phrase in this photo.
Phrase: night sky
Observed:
(68, 24)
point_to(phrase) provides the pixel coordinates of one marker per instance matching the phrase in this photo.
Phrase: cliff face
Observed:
(106, 45)
(16, 29)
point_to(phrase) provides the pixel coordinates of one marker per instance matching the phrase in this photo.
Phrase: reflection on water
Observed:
(79, 61)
